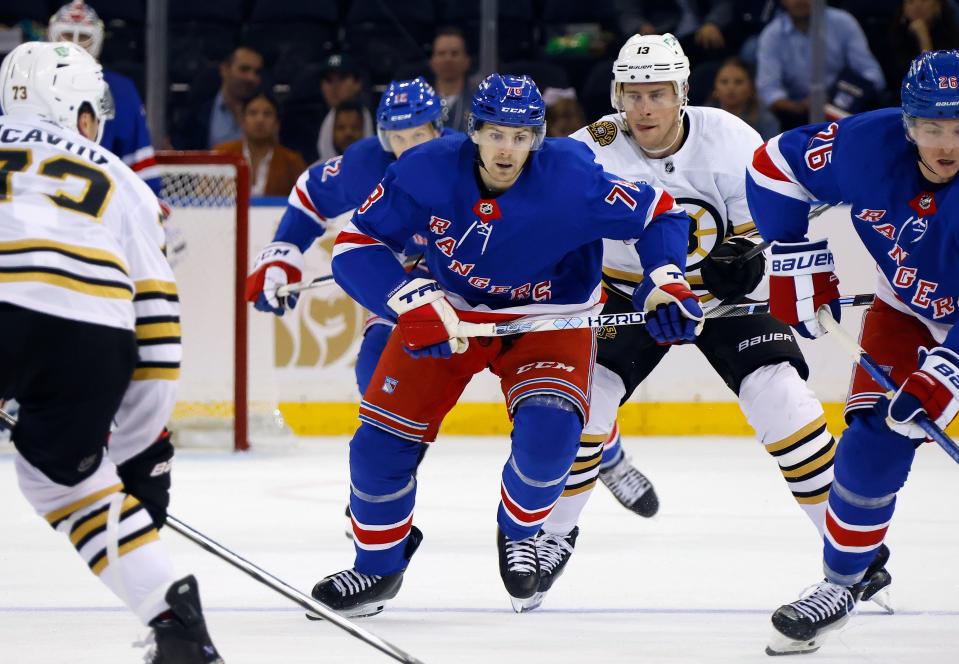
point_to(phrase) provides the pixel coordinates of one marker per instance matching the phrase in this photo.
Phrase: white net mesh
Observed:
(202, 231)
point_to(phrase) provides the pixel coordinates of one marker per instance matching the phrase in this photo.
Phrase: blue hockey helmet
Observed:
(509, 101)
(408, 104)
(931, 87)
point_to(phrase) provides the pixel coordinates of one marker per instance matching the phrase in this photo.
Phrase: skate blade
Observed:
(780, 644)
(884, 599)
(362, 611)
(528, 604)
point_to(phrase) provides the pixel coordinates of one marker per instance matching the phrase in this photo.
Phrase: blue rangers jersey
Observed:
(126, 134)
(907, 223)
(332, 187)
(533, 250)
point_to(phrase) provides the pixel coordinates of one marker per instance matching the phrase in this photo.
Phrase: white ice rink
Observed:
(695, 584)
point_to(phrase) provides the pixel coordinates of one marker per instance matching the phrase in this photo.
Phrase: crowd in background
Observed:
(287, 82)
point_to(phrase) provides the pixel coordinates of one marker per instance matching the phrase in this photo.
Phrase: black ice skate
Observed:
(179, 636)
(353, 594)
(802, 626)
(875, 583)
(553, 551)
(349, 523)
(519, 568)
(632, 489)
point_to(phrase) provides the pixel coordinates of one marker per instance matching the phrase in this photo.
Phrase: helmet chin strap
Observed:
(676, 137)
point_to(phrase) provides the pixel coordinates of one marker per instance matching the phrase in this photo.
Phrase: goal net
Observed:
(227, 395)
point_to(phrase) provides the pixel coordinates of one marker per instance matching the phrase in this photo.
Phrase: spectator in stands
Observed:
(734, 91)
(783, 73)
(273, 168)
(347, 129)
(919, 26)
(240, 76)
(449, 63)
(564, 115)
(702, 26)
(215, 120)
(341, 82)
(126, 134)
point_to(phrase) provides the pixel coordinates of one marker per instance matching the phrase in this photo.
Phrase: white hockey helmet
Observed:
(78, 23)
(54, 80)
(650, 59)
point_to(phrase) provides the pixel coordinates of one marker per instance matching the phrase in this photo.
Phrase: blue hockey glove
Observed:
(279, 264)
(933, 389)
(673, 314)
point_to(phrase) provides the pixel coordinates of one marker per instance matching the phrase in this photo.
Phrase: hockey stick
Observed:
(270, 581)
(290, 289)
(626, 318)
(878, 374)
(288, 591)
(763, 246)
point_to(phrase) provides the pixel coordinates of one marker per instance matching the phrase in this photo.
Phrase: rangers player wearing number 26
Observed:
(514, 224)
(896, 168)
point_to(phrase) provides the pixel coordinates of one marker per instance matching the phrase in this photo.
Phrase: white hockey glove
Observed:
(279, 264)
(426, 322)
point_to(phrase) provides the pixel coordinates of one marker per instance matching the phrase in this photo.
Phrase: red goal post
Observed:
(209, 194)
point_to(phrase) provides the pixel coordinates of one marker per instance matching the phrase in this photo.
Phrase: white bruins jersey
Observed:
(80, 236)
(706, 176)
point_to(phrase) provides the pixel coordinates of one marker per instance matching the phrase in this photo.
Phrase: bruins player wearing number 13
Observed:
(700, 155)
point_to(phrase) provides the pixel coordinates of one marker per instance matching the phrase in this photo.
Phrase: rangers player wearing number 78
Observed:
(514, 225)
(896, 167)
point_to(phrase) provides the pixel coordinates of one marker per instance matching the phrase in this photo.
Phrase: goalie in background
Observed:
(84, 281)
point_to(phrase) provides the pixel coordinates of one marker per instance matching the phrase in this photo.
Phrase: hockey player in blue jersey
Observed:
(896, 168)
(514, 225)
(125, 134)
(409, 113)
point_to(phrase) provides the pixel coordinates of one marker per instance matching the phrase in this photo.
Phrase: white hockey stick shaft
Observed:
(270, 581)
(879, 374)
(300, 286)
(616, 320)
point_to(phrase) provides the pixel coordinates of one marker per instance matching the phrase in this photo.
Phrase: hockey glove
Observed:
(728, 278)
(279, 264)
(426, 322)
(933, 388)
(146, 477)
(802, 279)
(673, 314)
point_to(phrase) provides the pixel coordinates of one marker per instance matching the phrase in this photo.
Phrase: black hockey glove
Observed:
(728, 278)
(146, 477)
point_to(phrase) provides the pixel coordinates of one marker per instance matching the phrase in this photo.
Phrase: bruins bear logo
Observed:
(603, 132)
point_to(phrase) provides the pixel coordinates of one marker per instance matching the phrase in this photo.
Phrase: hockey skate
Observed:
(179, 636)
(354, 594)
(632, 489)
(553, 551)
(874, 586)
(801, 627)
(519, 568)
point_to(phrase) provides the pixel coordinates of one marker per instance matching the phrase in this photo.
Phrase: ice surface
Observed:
(695, 584)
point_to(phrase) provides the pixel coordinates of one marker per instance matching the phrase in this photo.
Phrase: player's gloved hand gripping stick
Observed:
(918, 416)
